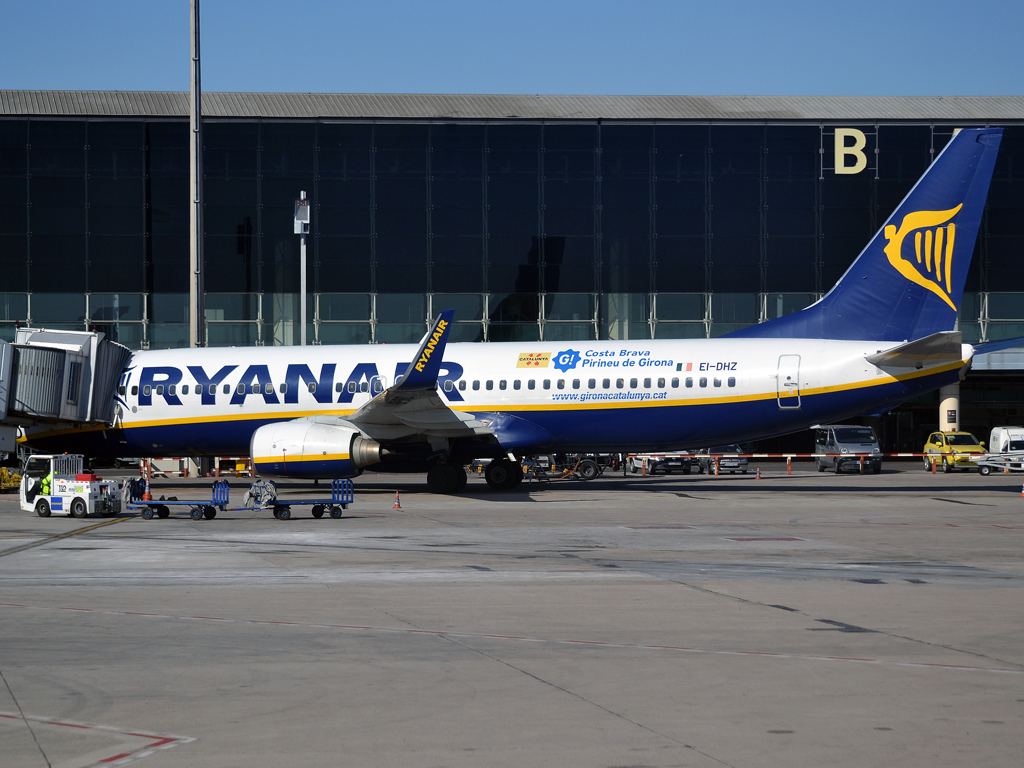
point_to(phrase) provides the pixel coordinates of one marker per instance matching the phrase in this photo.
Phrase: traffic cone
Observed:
(757, 474)
(398, 504)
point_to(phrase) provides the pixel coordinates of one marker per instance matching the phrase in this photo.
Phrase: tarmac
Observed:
(802, 620)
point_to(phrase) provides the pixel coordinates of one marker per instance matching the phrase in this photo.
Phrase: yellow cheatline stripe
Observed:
(564, 405)
(292, 459)
(58, 537)
(276, 415)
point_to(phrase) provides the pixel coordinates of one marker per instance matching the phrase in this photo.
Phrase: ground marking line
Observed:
(154, 741)
(528, 639)
(59, 536)
(21, 716)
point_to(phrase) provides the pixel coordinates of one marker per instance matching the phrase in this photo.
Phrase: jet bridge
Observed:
(57, 377)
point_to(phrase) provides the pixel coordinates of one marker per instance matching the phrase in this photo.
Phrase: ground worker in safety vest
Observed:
(46, 484)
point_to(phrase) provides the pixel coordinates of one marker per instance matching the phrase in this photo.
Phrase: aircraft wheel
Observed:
(336, 512)
(985, 471)
(442, 478)
(210, 512)
(461, 479)
(318, 511)
(501, 474)
(588, 470)
(147, 513)
(78, 508)
(43, 508)
(196, 513)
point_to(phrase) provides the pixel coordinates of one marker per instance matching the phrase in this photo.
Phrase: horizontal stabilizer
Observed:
(939, 348)
(998, 346)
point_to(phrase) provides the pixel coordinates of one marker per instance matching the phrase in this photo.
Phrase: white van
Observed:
(1006, 440)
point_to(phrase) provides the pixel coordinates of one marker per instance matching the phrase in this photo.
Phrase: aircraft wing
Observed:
(411, 406)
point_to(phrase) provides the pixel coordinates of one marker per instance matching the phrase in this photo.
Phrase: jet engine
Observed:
(309, 449)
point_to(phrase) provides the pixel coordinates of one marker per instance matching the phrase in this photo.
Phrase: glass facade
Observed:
(560, 231)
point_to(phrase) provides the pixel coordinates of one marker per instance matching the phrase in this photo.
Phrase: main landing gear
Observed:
(446, 478)
(504, 474)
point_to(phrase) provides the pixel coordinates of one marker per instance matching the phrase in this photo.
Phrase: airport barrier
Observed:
(789, 457)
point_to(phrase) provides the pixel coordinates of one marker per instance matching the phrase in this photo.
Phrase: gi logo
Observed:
(928, 242)
(567, 360)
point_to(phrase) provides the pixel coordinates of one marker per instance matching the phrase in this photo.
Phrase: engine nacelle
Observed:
(309, 449)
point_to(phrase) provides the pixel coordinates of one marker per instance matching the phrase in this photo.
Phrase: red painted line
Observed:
(156, 741)
(951, 525)
(778, 538)
(135, 613)
(207, 618)
(1005, 527)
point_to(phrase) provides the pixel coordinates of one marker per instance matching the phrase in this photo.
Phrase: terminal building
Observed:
(535, 217)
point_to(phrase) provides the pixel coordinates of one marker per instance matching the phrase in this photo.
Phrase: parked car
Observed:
(953, 450)
(666, 463)
(730, 464)
(842, 443)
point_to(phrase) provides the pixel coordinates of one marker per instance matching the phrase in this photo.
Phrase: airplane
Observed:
(883, 334)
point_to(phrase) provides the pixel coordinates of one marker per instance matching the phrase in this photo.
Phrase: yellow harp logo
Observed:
(933, 242)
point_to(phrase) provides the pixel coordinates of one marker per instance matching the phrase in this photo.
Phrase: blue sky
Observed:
(794, 48)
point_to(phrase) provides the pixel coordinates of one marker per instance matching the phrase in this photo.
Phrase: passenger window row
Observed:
(376, 385)
(591, 383)
(560, 384)
(703, 382)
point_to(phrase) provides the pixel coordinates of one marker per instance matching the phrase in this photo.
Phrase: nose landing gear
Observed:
(446, 478)
(504, 474)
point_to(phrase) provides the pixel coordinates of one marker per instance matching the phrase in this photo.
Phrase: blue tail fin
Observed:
(907, 283)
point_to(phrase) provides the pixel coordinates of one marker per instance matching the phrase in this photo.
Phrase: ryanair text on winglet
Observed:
(429, 349)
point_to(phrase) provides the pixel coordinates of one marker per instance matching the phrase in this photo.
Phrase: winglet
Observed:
(423, 370)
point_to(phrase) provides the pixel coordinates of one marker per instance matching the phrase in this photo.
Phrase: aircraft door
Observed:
(789, 382)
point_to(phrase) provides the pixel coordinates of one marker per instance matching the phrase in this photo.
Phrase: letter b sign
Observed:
(845, 148)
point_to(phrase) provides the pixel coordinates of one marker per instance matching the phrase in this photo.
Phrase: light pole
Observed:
(302, 229)
(197, 335)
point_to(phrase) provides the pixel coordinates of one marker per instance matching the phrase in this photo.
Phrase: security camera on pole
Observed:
(302, 228)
